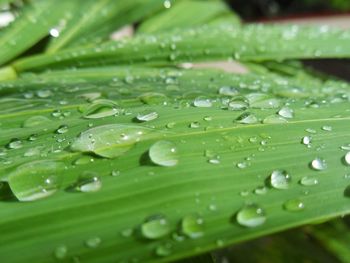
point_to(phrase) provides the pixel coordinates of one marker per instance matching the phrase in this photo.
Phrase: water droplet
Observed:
(247, 118)
(44, 93)
(286, 112)
(54, 32)
(62, 129)
(155, 227)
(202, 102)
(262, 101)
(195, 125)
(110, 140)
(271, 119)
(228, 91)
(309, 130)
(164, 249)
(345, 147)
(115, 173)
(251, 216)
(327, 128)
(101, 108)
(32, 152)
(164, 153)
(15, 144)
(60, 252)
(167, 4)
(192, 226)
(238, 104)
(147, 115)
(347, 158)
(242, 165)
(308, 181)
(36, 121)
(83, 160)
(214, 161)
(154, 98)
(294, 205)
(306, 140)
(261, 190)
(88, 182)
(93, 242)
(35, 180)
(127, 232)
(280, 179)
(318, 164)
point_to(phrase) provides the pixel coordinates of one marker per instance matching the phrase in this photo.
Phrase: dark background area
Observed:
(266, 10)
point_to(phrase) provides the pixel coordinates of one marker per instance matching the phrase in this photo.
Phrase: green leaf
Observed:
(249, 43)
(33, 24)
(180, 15)
(221, 164)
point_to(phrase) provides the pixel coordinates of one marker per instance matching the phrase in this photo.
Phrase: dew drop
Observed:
(192, 226)
(286, 112)
(155, 227)
(15, 144)
(36, 121)
(101, 108)
(280, 179)
(60, 252)
(327, 128)
(62, 129)
(36, 180)
(202, 102)
(228, 91)
(306, 140)
(271, 119)
(93, 242)
(294, 205)
(164, 153)
(147, 115)
(308, 181)
(247, 118)
(88, 182)
(251, 216)
(318, 164)
(261, 190)
(194, 125)
(347, 158)
(164, 249)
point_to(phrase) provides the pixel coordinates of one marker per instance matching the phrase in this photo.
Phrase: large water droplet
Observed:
(318, 164)
(294, 205)
(110, 140)
(192, 226)
(164, 153)
(36, 121)
(280, 179)
(251, 216)
(35, 180)
(155, 227)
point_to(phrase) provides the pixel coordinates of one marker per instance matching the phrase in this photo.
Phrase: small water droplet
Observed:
(93, 242)
(15, 144)
(280, 179)
(247, 118)
(155, 227)
(202, 102)
(192, 226)
(251, 216)
(164, 153)
(147, 115)
(347, 158)
(261, 190)
(286, 112)
(318, 164)
(345, 147)
(214, 161)
(309, 130)
(44, 93)
(327, 128)
(88, 182)
(306, 140)
(60, 252)
(115, 173)
(195, 125)
(228, 91)
(308, 181)
(62, 129)
(294, 205)
(271, 119)
(164, 249)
